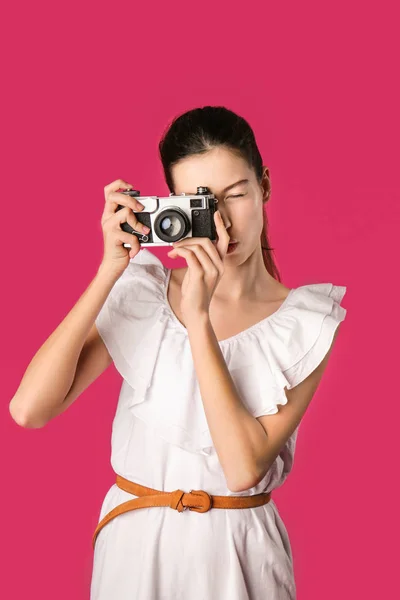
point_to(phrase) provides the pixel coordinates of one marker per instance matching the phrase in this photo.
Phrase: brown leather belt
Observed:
(197, 500)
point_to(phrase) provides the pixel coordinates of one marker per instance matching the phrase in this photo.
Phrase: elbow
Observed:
(24, 420)
(249, 482)
(241, 484)
(239, 488)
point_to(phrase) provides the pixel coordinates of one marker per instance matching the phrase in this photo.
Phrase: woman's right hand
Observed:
(116, 256)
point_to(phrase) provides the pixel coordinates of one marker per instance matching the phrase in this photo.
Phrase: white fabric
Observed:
(160, 439)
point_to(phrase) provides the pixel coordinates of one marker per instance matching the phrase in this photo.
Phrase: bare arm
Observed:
(75, 355)
(52, 380)
(246, 446)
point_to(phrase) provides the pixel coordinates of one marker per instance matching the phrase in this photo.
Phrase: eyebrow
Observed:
(235, 184)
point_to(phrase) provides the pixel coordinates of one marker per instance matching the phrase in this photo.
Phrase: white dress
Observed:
(160, 439)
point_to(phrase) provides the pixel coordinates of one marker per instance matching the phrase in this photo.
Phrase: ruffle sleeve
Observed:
(131, 322)
(287, 347)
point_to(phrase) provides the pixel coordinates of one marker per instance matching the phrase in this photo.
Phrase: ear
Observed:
(266, 184)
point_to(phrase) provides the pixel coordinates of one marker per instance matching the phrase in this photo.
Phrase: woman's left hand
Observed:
(205, 269)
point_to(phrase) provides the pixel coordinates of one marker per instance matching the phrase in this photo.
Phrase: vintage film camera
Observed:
(172, 218)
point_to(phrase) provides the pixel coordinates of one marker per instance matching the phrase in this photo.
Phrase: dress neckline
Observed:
(238, 335)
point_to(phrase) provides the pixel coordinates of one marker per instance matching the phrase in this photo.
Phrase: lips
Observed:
(232, 248)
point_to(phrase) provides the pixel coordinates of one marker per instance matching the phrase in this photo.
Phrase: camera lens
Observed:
(171, 225)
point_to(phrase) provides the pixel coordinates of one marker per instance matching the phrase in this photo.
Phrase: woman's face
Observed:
(241, 206)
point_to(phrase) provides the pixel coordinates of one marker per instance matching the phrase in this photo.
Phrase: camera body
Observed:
(172, 218)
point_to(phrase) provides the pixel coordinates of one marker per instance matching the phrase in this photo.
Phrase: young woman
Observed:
(219, 361)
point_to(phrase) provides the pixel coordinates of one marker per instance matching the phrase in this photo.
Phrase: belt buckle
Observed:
(207, 504)
(186, 507)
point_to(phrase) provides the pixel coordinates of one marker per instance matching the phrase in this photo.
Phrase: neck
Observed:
(247, 281)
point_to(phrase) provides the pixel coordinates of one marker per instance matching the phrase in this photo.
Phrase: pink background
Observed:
(87, 92)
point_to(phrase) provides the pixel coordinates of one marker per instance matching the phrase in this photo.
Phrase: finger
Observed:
(204, 260)
(207, 246)
(205, 242)
(223, 236)
(118, 184)
(191, 259)
(125, 215)
(116, 199)
(218, 249)
(126, 238)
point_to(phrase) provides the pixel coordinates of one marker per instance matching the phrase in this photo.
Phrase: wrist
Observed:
(109, 271)
(197, 319)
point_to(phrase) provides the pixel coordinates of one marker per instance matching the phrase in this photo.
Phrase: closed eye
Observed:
(236, 196)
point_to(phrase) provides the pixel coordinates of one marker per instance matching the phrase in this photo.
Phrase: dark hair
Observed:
(198, 131)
